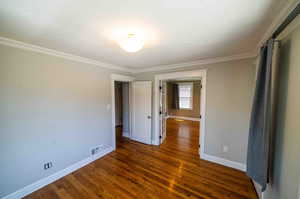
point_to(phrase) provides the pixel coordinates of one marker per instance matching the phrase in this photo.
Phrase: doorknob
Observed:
(149, 117)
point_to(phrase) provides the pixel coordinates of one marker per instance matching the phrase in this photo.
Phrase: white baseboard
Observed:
(48, 180)
(126, 134)
(183, 118)
(155, 142)
(258, 189)
(225, 162)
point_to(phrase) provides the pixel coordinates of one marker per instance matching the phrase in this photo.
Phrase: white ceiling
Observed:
(175, 31)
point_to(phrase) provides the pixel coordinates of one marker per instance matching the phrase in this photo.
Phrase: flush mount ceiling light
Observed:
(132, 43)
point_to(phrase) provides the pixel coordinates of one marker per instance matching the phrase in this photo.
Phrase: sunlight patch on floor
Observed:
(179, 120)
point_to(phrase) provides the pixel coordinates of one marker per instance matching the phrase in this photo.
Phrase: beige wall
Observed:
(285, 183)
(51, 109)
(195, 112)
(54, 109)
(228, 106)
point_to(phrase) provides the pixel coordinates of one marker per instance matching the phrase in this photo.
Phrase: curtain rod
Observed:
(287, 21)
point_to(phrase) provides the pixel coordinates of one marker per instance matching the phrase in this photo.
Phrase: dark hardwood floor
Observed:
(135, 170)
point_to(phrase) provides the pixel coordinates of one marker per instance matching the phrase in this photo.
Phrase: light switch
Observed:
(225, 149)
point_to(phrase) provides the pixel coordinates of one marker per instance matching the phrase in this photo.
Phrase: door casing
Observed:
(121, 78)
(181, 75)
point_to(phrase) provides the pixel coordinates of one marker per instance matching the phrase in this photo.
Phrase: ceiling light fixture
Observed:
(132, 43)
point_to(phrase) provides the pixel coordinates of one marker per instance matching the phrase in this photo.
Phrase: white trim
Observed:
(126, 134)
(183, 118)
(280, 17)
(48, 180)
(198, 62)
(222, 161)
(285, 11)
(155, 142)
(122, 78)
(39, 49)
(191, 74)
(179, 75)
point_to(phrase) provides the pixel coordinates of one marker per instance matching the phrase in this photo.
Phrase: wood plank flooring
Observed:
(172, 170)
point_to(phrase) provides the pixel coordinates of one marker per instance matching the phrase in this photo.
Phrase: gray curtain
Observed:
(262, 116)
(175, 99)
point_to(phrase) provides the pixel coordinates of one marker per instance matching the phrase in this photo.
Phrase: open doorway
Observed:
(131, 110)
(180, 105)
(121, 103)
(122, 114)
(180, 113)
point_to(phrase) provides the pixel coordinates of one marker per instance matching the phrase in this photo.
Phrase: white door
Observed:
(163, 110)
(141, 115)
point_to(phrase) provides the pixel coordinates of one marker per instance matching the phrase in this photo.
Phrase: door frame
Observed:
(165, 102)
(121, 78)
(181, 75)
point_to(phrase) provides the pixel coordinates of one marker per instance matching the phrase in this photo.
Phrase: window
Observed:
(185, 95)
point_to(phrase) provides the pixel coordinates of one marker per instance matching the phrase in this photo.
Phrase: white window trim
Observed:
(192, 94)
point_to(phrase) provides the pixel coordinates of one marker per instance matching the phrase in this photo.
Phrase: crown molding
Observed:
(290, 5)
(198, 62)
(285, 11)
(282, 15)
(39, 49)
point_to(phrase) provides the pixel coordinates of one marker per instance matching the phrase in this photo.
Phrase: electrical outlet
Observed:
(225, 148)
(96, 149)
(47, 165)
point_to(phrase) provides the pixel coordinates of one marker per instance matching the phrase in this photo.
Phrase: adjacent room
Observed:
(149, 99)
(122, 117)
(183, 99)
(180, 113)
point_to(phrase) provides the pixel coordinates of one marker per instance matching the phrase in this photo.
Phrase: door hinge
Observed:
(160, 87)
(160, 137)
(201, 86)
(200, 116)
(160, 112)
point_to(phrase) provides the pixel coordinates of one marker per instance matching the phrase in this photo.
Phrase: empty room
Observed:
(149, 99)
